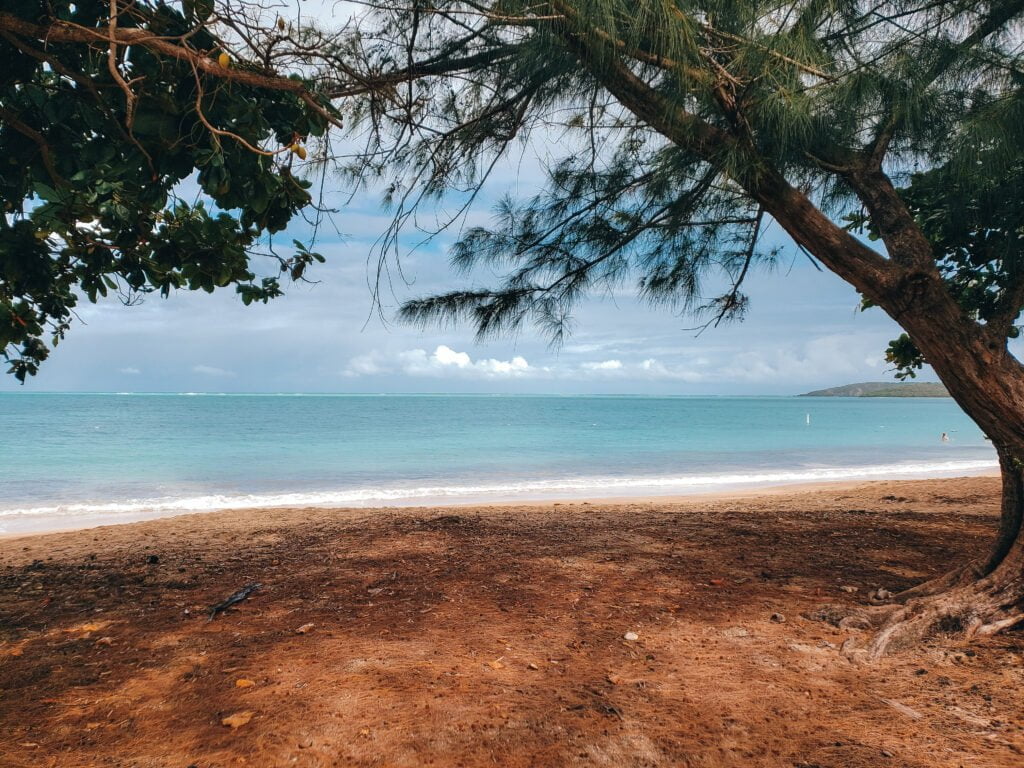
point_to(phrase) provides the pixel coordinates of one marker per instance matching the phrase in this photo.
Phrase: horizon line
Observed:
(278, 393)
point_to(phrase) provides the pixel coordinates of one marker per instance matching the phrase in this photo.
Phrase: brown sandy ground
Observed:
(495, 636)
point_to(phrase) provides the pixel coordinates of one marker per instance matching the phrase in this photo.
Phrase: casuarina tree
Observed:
(885, 138)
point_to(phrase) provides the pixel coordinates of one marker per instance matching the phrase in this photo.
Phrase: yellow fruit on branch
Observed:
(224, 60)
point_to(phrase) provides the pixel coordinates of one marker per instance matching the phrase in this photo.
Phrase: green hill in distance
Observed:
(883, 389)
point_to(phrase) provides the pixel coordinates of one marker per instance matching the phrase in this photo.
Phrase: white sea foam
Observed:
(70, 514)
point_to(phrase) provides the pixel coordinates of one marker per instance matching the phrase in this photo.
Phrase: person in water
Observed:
(945, 437)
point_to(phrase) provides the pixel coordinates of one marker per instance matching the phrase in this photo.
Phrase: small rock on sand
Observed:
(238, 719)
(736, 632)
(631, 636)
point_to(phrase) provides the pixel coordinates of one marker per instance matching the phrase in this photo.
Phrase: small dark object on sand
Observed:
(236, 598)
(153, 560)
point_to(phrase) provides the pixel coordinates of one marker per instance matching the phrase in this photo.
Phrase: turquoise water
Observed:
(77, 459)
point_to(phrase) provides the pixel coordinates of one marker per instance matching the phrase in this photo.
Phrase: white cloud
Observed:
(653, 370)
(443, 361)
(604, 365)
(447, 362)
(513, 367)
(445, 355)
(130, 371)
(209, 370)
(363, 365)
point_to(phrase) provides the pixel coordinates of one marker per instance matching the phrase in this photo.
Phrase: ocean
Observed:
(75, 460)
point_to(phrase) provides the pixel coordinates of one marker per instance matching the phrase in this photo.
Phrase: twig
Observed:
(234, 599)
(115, 71)
(217, 132)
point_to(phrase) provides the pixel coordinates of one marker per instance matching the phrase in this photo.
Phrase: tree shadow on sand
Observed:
(494, 637)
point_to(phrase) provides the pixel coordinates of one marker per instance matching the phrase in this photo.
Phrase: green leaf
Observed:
(198, 10)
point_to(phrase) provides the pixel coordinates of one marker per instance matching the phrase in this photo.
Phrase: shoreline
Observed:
(531, 502)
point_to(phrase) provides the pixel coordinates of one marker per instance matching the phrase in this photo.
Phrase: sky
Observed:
(803, 331)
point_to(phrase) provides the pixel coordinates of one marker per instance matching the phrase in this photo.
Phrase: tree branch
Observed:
(867, 270)
(66, 32)
(903, 238)
(1010, 305)
(44, 148)
(423, 69)
(115, 72)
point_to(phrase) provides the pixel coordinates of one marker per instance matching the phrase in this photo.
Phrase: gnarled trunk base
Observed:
(973, 610)
(958, 577)
(977, 599)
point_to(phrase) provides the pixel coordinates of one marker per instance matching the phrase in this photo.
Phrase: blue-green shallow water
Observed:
(76, 459)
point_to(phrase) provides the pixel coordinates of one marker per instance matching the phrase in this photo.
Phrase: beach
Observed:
(641, 632)
(607, 385)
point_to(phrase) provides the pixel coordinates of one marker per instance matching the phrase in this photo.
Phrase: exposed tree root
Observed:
(860, 618)
(958, 577)
(977, 599)
(957, 604)
(973, 610)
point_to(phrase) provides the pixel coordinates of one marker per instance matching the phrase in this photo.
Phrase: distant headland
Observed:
(883, 389)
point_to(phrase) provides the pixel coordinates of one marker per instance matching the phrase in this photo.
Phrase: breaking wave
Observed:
(540, 489)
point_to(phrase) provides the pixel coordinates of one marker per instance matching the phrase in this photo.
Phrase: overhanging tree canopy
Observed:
(106, 108)
(688, 126)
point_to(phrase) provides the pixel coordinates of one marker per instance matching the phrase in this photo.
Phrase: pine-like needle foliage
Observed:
(686, 128)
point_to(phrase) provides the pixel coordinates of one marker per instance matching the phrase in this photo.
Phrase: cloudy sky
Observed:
(802, 332)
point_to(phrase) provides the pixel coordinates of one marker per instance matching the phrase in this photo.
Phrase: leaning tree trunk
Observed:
(971, 359)
(973, 362)
(987, 596)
